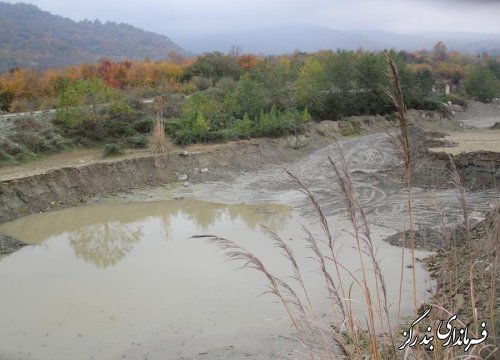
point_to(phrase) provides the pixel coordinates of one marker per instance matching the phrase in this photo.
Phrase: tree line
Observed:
(216, 95)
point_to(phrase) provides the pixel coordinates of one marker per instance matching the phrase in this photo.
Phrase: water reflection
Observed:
(103, 234)
(104, 244)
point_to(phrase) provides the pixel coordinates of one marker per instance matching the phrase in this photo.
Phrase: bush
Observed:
(277, 124)
(453, 98)
(139, 142)
(27, 124)
(81, 102)
(144, 125)
(111, 150)
(349, 127)
(6, 98)
(33, 142)
(482, 85)
(198, 129)
(10, 147)
(5, 158)
(242, 128)
(202, 83)
(92, 110)
(432, 105)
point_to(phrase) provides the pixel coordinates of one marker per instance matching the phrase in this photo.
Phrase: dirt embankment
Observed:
(70, 185)
(478, 169)
(450, 267)
(31, 189)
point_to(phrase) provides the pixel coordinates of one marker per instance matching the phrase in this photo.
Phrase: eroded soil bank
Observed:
(451, 270)
(258, 162)
(68, 180)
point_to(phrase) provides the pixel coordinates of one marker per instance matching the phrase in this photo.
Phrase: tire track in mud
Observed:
(379, 192)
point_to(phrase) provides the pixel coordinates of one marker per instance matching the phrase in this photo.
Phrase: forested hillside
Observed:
(30, 37)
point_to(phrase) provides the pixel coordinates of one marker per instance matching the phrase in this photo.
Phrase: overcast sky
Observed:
(177, 17)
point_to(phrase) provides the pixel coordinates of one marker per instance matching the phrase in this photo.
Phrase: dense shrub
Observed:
(483, 85)
(144, 125)
(34, 142)
(273, 123)
(214, 66)
(453, 98)
(89, 111)
(349, 127)
(111, 150)
(6, 98)
(4, 157)
(139, 141)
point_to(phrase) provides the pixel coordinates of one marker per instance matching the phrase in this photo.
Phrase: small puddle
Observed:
(112, 281)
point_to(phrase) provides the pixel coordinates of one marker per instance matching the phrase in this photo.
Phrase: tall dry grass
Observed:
(159, 141)
(351, 336)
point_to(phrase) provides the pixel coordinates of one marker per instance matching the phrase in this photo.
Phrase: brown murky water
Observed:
(113, 281)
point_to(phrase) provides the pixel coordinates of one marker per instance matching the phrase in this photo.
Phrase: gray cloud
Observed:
(173, 17)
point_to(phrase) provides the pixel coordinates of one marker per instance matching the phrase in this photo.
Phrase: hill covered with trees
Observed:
(31, 37)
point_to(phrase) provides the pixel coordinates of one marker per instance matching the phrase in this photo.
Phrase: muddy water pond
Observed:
(113, 281)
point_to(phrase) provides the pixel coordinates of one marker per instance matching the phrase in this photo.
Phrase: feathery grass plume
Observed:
(495, 237)
(344, 182)
(333, 294)
(337, 299)
(396, 96)
(288, 253)
(235, 252)
(159, 141)
(379, 279)
(324, 225)
(460, 194)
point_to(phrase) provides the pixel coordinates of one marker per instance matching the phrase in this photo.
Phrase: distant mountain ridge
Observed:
(30, 37)
(287, 39)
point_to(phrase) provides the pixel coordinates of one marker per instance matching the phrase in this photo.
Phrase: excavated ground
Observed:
(253, 171)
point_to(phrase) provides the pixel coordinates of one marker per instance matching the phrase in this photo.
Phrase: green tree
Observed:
(371, 81)
(276, 76)
(494, 66)
(306, 117)
(6, 98)
(90, 104)
(340, 71)
(311, 87)
(200, 124)
(215, 105)
(440, 51)
(215, 66)
(482, 85)
(83, 100)
(250, 96)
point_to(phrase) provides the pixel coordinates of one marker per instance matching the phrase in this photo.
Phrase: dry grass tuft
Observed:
(159, 141)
